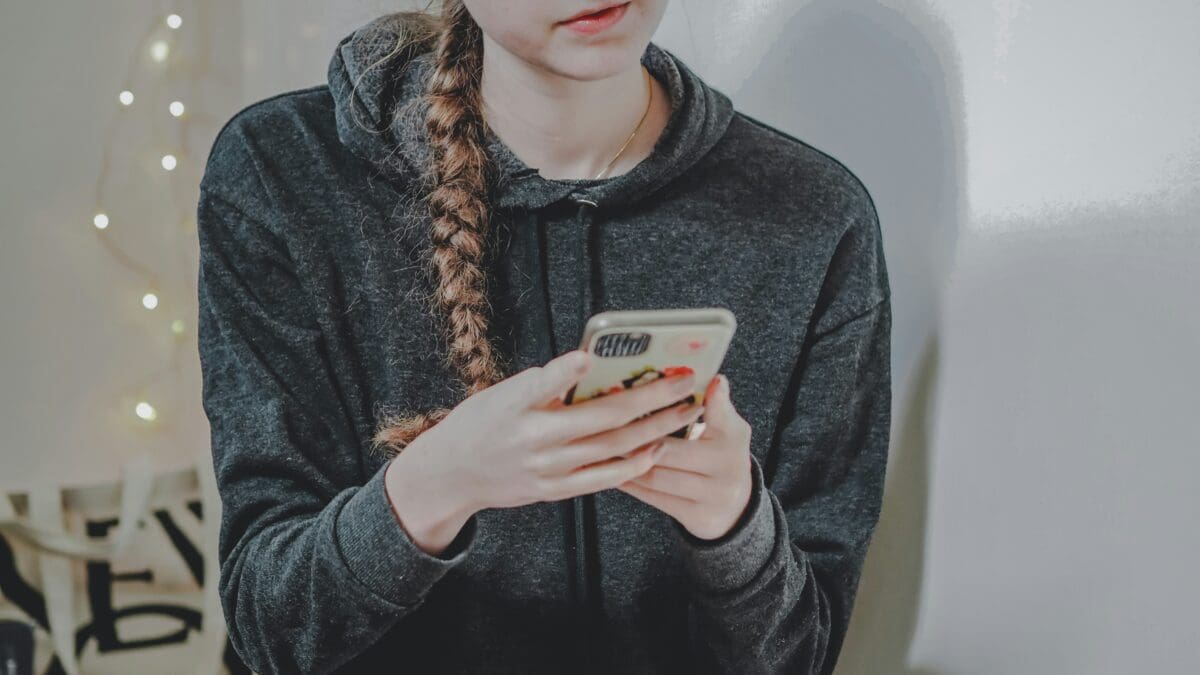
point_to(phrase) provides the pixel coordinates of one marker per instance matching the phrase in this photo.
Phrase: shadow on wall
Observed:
(884, 622)
(1079, 454)
(880, 90)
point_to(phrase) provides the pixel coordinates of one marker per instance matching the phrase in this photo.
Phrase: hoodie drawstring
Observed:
(580, 539)
(589, 255)
(586, 561)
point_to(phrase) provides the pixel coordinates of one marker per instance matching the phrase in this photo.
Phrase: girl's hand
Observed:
(516, 443)
(704, 483)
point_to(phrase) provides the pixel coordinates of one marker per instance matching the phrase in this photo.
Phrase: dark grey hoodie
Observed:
(311, 326)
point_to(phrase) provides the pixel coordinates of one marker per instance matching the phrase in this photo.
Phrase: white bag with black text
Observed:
(117, 577)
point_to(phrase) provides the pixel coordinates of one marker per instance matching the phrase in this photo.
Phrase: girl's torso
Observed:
(752, 226)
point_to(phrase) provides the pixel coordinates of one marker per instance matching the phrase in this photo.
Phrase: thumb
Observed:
(718, 407)
(558, 375)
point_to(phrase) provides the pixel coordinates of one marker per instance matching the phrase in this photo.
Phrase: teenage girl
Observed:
(396, 267)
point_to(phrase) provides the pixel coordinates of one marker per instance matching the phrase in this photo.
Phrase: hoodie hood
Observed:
(398, 145)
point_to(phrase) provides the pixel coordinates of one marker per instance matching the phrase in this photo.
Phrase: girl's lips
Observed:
(594, 23)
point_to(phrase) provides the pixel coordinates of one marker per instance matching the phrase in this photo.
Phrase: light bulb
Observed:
(100, 221)
(169, 162)
(149, 301)
(145, 411)
(125, 97)
(176, 108)
(160, 50)
(174, 21)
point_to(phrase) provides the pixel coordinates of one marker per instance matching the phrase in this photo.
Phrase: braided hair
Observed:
(460, 176)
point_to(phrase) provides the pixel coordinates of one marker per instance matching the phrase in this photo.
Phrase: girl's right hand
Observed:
(516, 443)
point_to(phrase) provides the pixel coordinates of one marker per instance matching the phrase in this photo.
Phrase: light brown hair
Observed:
(460, 176)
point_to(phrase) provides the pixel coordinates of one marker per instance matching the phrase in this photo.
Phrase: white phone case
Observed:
(634, 347)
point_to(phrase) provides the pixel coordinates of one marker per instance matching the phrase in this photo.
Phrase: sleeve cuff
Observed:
(382, 556)
(731, 561)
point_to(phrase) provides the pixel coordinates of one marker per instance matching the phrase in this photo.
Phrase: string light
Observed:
(158, 43)
(145, 411)
(160, 50)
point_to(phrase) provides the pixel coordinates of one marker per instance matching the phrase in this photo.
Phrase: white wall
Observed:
(77, 349)
(1061, 529)
(1035, 167)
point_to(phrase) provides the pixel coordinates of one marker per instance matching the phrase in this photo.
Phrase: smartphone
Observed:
(630, 348)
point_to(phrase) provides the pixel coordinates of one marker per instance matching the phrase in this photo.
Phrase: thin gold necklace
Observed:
(649, 98)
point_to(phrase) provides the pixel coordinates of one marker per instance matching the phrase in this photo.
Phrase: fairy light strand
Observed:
(156, 51)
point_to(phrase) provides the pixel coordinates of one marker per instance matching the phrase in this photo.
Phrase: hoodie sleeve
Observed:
(774, 594)
(314, 565)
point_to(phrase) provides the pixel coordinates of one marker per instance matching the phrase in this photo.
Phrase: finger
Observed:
(605, 474)
(694, 455)
(677, 482)
(551, 381)
(669, 504)
(696, 431)
(606, 444)
(720, 411)
(610, 411)
(711, 388)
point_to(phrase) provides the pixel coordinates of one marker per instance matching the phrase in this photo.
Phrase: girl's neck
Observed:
(570, 128)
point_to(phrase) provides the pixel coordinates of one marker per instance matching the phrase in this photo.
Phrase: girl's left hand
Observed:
(704, 483)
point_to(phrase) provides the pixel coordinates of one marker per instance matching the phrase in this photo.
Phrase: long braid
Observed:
(457, 204)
